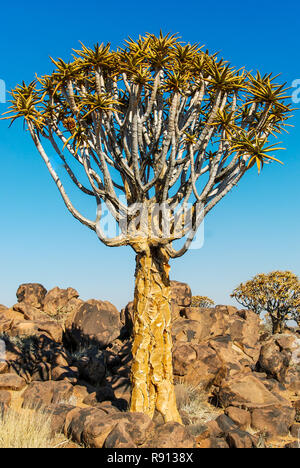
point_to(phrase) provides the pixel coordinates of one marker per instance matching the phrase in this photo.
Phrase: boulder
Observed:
(65, 373)
(187, 331)
(102, 394)
(77, 419)
(232, 356)
(224, 424)
(58, 415)
(24, 328)
(96, 322)
(9, 319)
(213, 321)
(171, 435)
(29, 312)
(181, 294)
(11, 382)
(52, 329)
(273, 360)
(127, 320)
(244, 329)
(45, 393)
(239, 439)
(240, 417)
(183, 356)
(199, 364)
(5, 322)
(32, 294)
(93, 426)
(119, 437)
(246, 392)
(181, 297)
(56, 301)
(274, 422)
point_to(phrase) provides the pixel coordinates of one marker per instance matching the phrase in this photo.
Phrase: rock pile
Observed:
(73, 359)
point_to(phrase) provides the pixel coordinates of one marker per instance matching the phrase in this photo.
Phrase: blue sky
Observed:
(254, 229)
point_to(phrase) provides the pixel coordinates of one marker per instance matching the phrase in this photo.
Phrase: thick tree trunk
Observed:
(152, 370)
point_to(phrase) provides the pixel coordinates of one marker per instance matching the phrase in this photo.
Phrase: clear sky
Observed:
(254, 229)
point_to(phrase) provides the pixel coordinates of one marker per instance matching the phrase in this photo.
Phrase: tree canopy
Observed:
(277, 293)
(157, 121)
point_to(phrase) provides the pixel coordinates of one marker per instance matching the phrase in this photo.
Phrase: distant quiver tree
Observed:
(276, 293)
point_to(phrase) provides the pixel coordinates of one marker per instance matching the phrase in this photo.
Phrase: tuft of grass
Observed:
(193, 401)
(27, 428)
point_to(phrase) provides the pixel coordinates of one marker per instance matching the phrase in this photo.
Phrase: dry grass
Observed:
(28, 428)
(193, 401)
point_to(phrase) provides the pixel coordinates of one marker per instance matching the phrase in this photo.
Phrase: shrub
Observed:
(202, 301)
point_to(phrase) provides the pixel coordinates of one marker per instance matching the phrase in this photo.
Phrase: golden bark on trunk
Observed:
(152, 369)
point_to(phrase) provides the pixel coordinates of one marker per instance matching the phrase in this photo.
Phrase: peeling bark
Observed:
(152, 369)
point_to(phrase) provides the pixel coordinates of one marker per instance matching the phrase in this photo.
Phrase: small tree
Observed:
(277, 293)
(202, 301)
(157, 133)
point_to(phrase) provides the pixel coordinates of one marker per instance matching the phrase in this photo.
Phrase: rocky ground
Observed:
(237, 385)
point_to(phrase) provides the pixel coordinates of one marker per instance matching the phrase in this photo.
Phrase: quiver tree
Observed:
(157, 133)
(276, 293)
